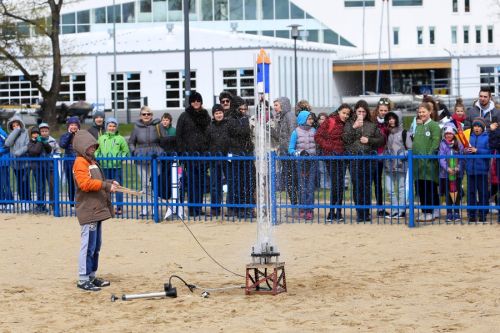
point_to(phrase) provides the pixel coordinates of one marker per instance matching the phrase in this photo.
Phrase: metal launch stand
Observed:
(265, 275)
(176, 210)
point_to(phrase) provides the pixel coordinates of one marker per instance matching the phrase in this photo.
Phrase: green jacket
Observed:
(112, 145)
(426, 142)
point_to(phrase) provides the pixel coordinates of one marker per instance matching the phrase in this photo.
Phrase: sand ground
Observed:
(341, 278)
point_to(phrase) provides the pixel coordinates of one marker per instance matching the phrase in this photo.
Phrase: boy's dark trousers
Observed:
(477, 195)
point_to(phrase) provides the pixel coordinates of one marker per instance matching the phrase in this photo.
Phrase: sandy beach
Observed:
(341, 278)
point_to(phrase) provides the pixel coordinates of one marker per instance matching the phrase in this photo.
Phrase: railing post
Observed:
(56, 184)
(154, 175)
(274, 211)
(411, 204)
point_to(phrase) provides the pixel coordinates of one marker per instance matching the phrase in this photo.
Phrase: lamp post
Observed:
(295, 34)
(451, 70)
(187, 54)
(112, 33)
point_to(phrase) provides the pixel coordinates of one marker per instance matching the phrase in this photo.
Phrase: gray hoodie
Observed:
(287, 122)
(18, 139)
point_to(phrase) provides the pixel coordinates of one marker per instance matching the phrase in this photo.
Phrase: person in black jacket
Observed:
(218, 137)
(241, 173)
(98, 126)
(192, 140)
(39, 147)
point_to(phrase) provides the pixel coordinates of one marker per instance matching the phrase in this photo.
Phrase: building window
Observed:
(221, 10)
(420, 35)
(466, 35)
(453, 35)
(359, 3)
(313, 35)
(467, 6)
(296, 12)
(68, 23)
(282, 9)
(72, 88)
(488, 77)
(454, 6)
(432, 38)
(83, 21)
(250, 9)
(283, 33)
(330, 37)
(268, 10)
(490, 34)
(207, 11)
(128, 12)
(478, 34)
(128, 90)
(100, 15)
(236, 9)
(240, 82)
(406, 3)
(175, 87)
(16, 90)
(395, 36)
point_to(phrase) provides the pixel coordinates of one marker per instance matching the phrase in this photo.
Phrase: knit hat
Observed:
(99, 114)
(34, 129)
(390, 115)
(195, 96)
(111, 120)
(73, 120)
(43, 125)
(217, 107)
(479, 122)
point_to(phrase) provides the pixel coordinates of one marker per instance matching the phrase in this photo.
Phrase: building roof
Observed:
(158, 39)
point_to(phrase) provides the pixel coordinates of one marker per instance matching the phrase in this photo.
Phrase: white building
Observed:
(445, 46)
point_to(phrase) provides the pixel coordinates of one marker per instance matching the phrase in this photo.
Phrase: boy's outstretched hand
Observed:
(114, 186)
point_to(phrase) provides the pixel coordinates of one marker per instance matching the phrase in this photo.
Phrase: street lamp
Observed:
(295, 34)
(112, 33)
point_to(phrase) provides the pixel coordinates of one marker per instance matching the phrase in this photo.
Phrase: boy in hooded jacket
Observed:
(93, 205)
(302, 144)
(39, 147)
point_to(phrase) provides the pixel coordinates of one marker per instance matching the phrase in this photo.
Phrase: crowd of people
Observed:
(346, 135)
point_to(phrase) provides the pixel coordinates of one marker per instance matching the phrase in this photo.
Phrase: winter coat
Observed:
(478, 166)
(494, 140)
(240, 134)
(446, 150)
(168, 139)
(112, 145)
(382, 127)
(66, 143)
(191, 131)
(490, 114)
(329, 136)
(286, 124)
(396, 146)
(97, 131)
(4, 151)
(18, 139)
(302, 138)
(144, 139)
(352, 135)
(54, 145)
(426, 142)
(218, 137)
(93, 202)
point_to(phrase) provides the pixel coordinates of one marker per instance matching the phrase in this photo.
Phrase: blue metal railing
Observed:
(206, 187)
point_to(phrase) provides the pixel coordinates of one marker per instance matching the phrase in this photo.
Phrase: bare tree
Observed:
(29, 43)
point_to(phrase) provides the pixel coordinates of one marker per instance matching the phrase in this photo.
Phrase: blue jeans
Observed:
(23, 183)
(477, 194)
(5, 191)
(90, 246)
(395, 180)
(115, 174)
(307, 176)
(216, 177)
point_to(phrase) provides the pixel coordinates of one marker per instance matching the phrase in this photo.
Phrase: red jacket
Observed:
(329, 136)
(385, 133)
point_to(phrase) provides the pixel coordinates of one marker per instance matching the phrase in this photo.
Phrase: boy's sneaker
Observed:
(383, 213)
(87, 285)
(330, 217)
(401, 215)
(100, 282)
(449, 217)
(339, 217)
(394, 215)
(457, 217)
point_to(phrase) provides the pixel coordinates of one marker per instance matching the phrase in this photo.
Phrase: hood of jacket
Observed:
(153, 122)
(286, 106)
(236, 102)
(302, 117)
(82, 141)
(485, 110)
(13, 119)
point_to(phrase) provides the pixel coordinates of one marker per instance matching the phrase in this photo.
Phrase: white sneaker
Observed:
(24, 208)
(144, 212)
(435, 213)
(168, 213)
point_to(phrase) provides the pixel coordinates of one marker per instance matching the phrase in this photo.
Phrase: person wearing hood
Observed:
(362, 137)
(112, 144)
(98, 127)
(39, 147)
(451, 169)
(241, 176)
(5, 190)
(218, 137)
(286, 122)
(66, 143)
(484, 108)
(144, 141)
(93, 205)
(302, 144)
(477, 170)
(17, 142)
(329, 139)
(192, 139)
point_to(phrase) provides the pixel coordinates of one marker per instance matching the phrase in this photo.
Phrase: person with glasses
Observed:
(225, 99)
(192, 140)
(241, 173)
(383, 107)
(362, 137)
(144, 141)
